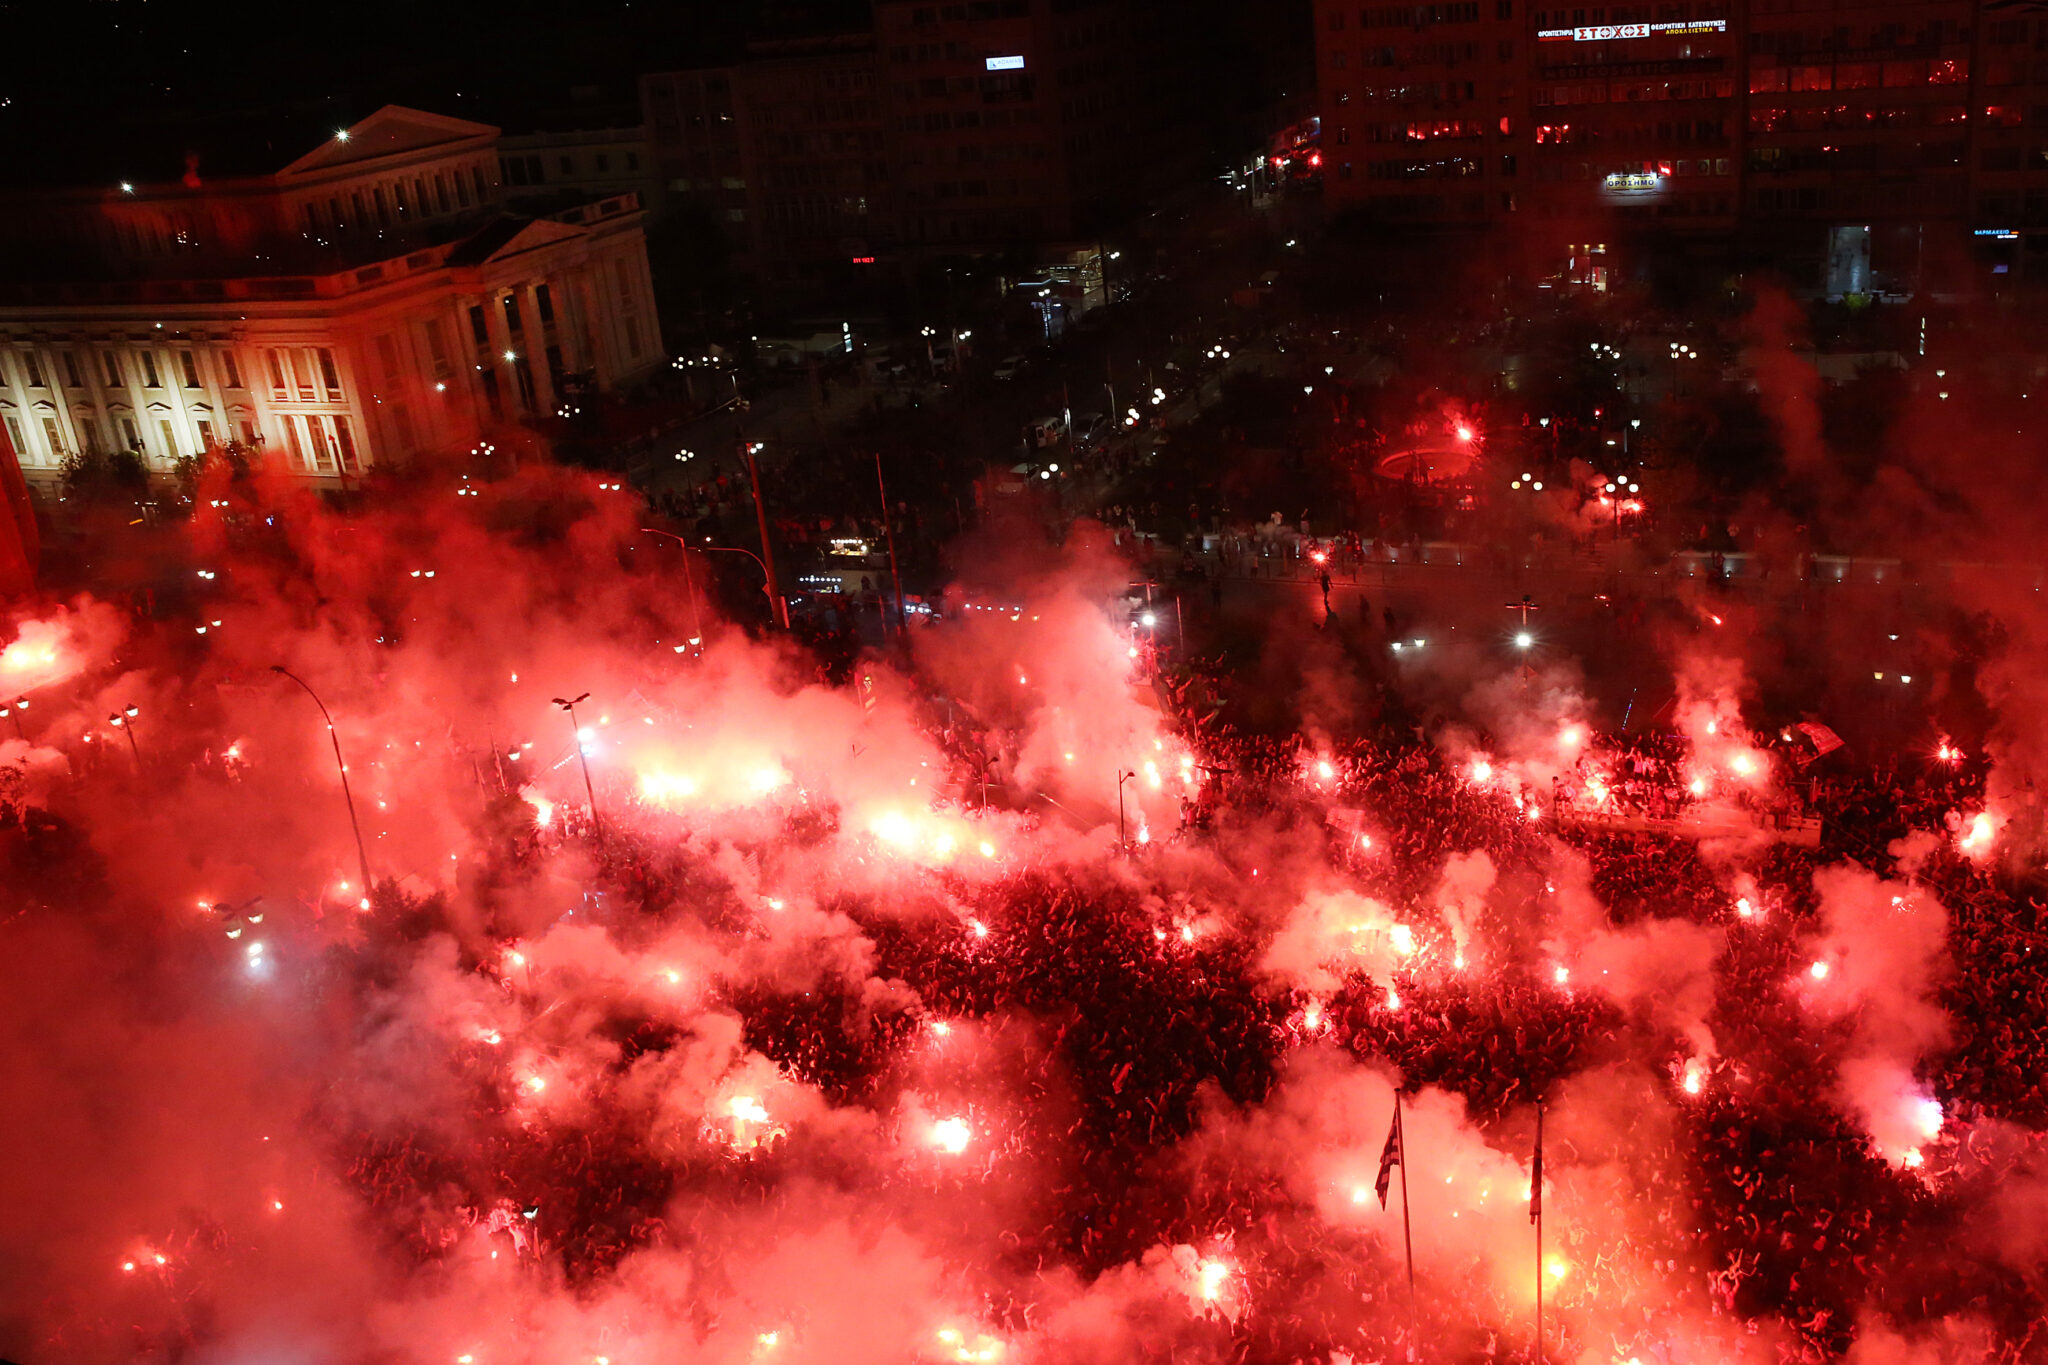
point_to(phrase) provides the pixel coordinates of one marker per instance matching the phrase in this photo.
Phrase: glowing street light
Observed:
(124, 720)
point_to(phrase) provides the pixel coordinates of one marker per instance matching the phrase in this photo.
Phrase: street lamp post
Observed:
(889, 530)
(124, 721)
(1680, 352)
(1121, 778)
(689, 583)
(1523, 639)
(582, 758)
(737, 550)
(348, 797)
(778, 608)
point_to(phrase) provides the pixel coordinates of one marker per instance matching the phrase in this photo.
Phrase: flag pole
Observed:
(1536, 1193)
(1407, 1238)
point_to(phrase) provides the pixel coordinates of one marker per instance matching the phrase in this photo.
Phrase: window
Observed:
(14, 437)
(71, 375)
(170, 435)
(88, 431)
(632, 161)
(232, 375)
(568, 165)
(328, 376)
(482, 189)
(131, 435)
(437, 349)
(31, 369)
(345, 443)
(604, 163)
(544, 304)
(461, 191)
(479, 327)
(55, 436)
(190, 368)
(111, 363)
(295, 445)
(280, 374)
(149, 375)
(205, 434)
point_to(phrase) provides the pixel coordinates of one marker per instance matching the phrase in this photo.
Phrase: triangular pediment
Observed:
(508, 237)
(539, 233)
(393, 130)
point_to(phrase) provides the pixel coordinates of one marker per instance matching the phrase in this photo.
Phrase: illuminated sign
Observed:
(1005, 63)
(1607, 33)
(2002, 234)
(1633, 182)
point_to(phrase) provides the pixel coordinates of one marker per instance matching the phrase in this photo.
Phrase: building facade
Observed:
(584, 163)
(944, 126)
(1864, 147)
(371, 301)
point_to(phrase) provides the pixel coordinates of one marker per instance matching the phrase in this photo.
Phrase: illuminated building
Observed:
(1859, 141)
(19, 537)
(370, 301)
(1835, 141)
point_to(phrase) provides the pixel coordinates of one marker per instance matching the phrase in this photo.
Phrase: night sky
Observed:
(132, 63)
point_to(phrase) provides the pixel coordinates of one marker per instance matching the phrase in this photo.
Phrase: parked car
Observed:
(1010, 366)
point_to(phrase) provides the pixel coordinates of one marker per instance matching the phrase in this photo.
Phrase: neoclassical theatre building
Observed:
(373, 300)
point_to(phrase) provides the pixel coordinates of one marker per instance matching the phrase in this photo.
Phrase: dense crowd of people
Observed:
(1763, 1203)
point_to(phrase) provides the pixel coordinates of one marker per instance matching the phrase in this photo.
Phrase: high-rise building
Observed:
(369, 301)
(1859, 129)
(1863, 147)
(945, 126)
